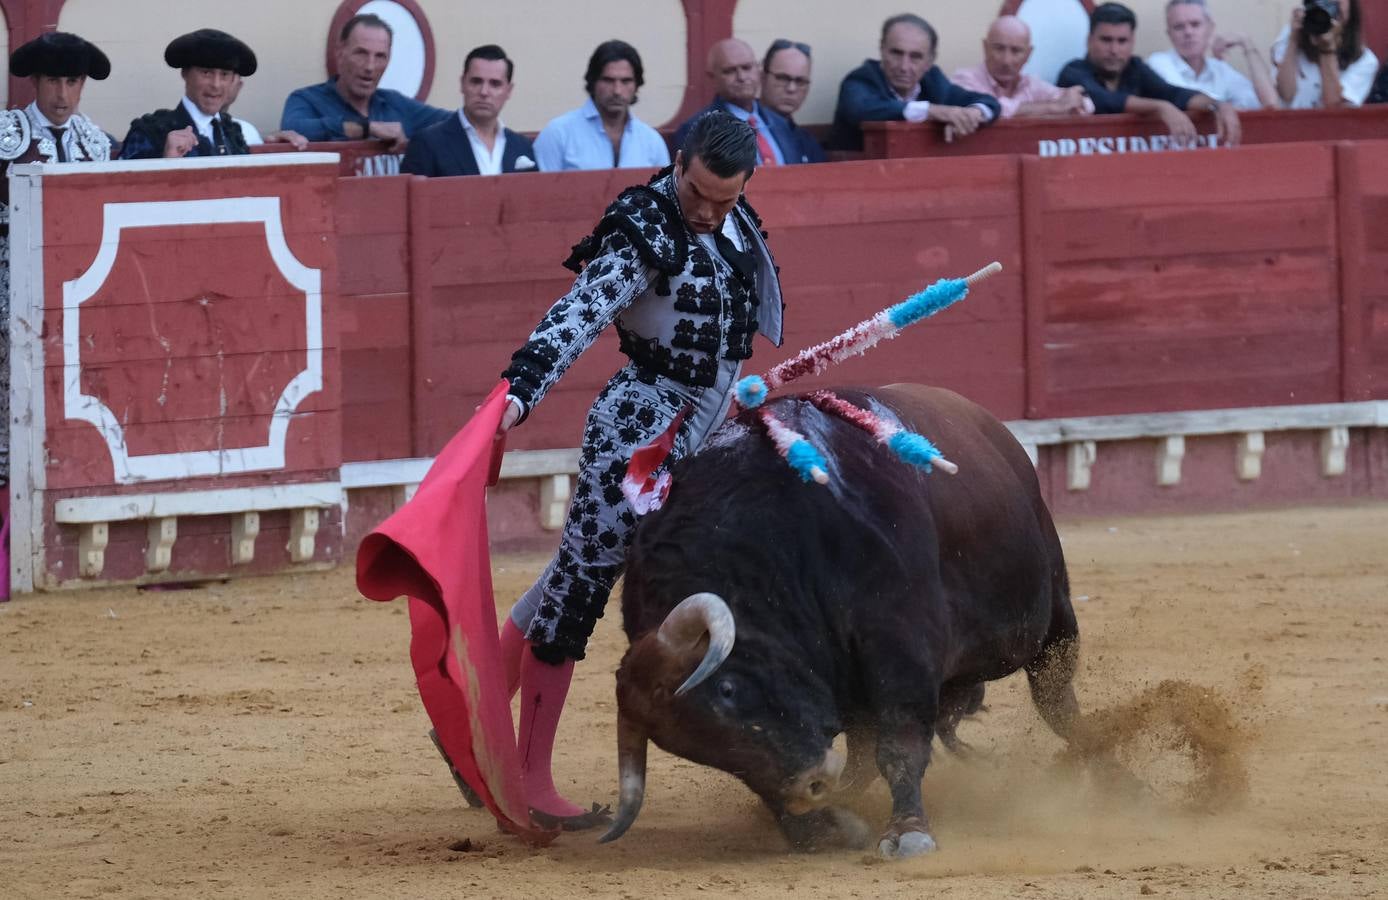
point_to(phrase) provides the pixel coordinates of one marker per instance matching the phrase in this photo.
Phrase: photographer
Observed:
(1330, 67)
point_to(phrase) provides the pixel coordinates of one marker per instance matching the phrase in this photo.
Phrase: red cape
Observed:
(434, 550)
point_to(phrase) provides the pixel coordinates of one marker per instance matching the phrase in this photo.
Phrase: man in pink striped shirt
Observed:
(1006, 50)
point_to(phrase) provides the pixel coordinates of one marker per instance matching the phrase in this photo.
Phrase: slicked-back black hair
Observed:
(1111, 14)
(726, 144)
(492, 53)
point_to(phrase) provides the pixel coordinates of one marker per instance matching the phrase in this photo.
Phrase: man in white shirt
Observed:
(474, 142)
(1190, 63)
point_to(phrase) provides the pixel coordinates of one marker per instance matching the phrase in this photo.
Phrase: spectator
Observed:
(785, 83)
(50, 129)
(474, 142)
(350, 106)
(1119, 82)
(209, 60)
(906, 84)
(732, 67)
(603, 133)
(250, 132)
(1329, 69)
(1189, 63)
(1006, 49)
(1380, 92)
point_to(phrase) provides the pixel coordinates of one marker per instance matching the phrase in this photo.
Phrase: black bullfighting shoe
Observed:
(598, 815)
(468, 793)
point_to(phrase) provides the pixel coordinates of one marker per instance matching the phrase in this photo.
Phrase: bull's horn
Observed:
(631, 768)
(695, 616)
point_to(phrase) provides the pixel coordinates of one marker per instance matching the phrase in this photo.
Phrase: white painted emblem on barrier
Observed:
(120, 216)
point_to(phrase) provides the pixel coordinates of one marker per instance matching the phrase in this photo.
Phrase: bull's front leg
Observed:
(903, 752)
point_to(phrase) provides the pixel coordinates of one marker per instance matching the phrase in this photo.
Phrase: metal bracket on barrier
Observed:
(245, 528)
(1079, 461)
(1334, 451)
(554, 501)
(91, 548)
(303, 528)
(162, 534)
(1171, 450)
(1248, 459)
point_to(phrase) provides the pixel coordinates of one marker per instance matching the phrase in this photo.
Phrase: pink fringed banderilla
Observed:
(753, 390)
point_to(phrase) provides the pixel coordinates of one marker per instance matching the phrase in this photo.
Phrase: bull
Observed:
(766, 616)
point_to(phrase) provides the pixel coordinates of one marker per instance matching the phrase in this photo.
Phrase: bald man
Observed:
(1006, 50)
(735, 73)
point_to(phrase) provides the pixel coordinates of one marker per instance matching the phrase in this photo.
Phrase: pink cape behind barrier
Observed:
(434, 550)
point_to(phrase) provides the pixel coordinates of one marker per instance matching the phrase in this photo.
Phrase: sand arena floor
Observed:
(264, 739)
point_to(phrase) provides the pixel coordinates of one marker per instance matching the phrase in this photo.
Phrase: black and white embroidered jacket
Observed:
(679, 307)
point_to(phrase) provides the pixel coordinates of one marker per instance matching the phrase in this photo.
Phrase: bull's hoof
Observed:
(826, 829)
(904, 839)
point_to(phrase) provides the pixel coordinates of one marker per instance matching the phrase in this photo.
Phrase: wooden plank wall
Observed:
(1363, 200)
(373, 252)
(189, 357)
(487, 265)
(1138, 283)
(1167, 282)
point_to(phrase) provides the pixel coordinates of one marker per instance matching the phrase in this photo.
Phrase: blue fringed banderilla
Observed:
(912, 448)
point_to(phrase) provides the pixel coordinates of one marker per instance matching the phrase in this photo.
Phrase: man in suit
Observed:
(734, 71)
(906, 84)
(474, 142)
(209, 60)
(785, 83)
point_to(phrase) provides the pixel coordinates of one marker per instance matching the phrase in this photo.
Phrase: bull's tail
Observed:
(1051, 676)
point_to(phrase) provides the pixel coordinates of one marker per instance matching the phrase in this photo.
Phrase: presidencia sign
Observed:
(1103, 146)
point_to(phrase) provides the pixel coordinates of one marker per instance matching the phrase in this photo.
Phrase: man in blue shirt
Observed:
(350, 106)
(732, 67)
(602, 133)
(1118, 82)
(906, 84)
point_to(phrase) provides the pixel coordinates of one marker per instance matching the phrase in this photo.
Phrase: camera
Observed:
(1320, 16)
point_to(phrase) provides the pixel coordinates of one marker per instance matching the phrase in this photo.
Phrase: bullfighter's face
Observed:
(705, 198)
(58, 95)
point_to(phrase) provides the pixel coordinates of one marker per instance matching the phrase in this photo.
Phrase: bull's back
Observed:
(999, 553)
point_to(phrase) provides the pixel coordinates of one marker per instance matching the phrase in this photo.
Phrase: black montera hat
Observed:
(211, 49)
(61, 55)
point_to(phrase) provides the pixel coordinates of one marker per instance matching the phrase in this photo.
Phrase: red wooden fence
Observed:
(1115, 134)
(1167, 282)
(1132, 283)
(1363, 207)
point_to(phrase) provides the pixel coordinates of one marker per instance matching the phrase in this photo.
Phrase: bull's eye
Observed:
(725, 689)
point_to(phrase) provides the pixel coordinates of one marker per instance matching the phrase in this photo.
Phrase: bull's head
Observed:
(741, 721)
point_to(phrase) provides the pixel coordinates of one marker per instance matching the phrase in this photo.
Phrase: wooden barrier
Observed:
(1363, 209)
(485, 258)
(173, 355)
(1164, 283)
(1164, 322)
(1117, 134)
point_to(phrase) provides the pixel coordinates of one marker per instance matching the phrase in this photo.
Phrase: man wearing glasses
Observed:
(732, 69)
(785, 83)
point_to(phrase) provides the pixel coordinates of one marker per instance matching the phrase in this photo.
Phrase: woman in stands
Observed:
(1329, 67)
